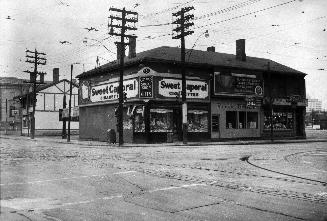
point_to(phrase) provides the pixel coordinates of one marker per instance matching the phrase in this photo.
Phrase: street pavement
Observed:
(50, 179)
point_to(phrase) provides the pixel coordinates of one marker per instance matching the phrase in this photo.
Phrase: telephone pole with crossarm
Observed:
(127, 18)
(183, 24)
(36, 60)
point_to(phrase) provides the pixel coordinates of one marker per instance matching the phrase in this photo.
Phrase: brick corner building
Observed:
(228, 97)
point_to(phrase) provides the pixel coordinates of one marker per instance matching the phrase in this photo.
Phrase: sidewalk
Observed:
(88, 143)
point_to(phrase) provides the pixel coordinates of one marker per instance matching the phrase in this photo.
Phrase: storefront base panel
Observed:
(169, 137)
(95, 121)
(237, 134)
(278, 134)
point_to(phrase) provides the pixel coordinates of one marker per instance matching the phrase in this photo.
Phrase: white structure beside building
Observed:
(50, 99)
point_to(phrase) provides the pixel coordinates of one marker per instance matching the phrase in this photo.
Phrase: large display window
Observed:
(197, 120)
(252, 120)
(231, 119)
(161, 120)
(241, 120)
(281, 121)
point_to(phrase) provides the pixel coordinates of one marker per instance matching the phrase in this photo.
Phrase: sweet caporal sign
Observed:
(109, 91)
(173, 88)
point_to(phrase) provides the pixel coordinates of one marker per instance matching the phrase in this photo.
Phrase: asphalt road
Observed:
(45, 180)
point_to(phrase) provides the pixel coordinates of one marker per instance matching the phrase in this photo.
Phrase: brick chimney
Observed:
(240, 50)
(55, 75)
(132, 48)
(211, 49)
(41, 77)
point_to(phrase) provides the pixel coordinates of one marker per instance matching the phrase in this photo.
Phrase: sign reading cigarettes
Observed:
(173, 88)
(109, 91)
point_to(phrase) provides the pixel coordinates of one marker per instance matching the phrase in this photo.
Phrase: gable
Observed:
(61, 87)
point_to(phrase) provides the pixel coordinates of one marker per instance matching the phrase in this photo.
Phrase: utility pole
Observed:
(271, 101)
(182, 30)
(70, 100)
(127, 17)
(64, 104)
(36, 60)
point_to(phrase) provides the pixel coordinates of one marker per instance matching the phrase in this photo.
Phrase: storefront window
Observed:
(127, 120)
(139, 120)
(241, 119)
(197, 121)
(231, 119)
(252, 120)
(161, 120)
(281, 121)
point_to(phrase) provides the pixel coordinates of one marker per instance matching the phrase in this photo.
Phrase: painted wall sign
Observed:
(146, 87)
(173, 88)
(234, 106)
(109, 91)
(232, 83)
(287, 102)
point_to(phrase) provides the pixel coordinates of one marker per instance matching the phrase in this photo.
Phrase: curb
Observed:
(130, 145)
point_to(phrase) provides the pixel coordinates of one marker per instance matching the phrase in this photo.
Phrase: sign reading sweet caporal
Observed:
(109, 91)
(173, 88)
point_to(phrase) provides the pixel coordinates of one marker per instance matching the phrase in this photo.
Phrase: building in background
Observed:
(228, 97)
(314, 105)
(10, 114)
(50, 100)
(316, 117)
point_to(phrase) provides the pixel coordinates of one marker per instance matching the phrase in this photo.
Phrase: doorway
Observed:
(177, 124)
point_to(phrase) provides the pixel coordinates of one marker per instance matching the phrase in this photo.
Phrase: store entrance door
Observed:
(177, 122)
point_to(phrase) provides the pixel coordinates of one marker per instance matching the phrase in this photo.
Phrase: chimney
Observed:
(119, 50)
(211, 49)
(41, 77)
(132, 47)
(240, 50)
(55, 75)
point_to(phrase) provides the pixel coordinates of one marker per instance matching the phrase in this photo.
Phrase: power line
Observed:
(221, 11)
(230, 19)
(250, 13)
(228, 9)
(165, 10)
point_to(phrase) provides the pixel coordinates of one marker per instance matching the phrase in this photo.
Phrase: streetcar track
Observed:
(224, 184)
(232, 185)
(313, 182)
(246, 159)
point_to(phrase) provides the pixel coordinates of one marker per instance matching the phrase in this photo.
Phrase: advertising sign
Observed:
(233, 83)
(109, 91)
(173, 88)
(146, 87)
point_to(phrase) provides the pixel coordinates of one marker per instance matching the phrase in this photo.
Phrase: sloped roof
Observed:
(196, 57)
(45, 86)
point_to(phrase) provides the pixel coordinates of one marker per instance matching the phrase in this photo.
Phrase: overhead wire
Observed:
(247, 14)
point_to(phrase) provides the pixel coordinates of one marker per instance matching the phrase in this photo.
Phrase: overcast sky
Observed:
(291, 32)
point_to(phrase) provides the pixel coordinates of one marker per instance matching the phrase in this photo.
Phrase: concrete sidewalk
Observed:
(88, 143)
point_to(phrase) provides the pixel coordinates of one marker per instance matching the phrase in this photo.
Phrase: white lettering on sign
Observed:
(109, 91)
(173, 88)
